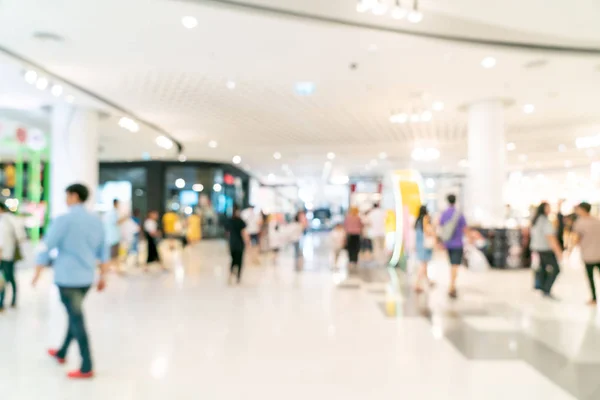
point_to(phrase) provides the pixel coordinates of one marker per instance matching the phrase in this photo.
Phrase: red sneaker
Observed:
(54, 353)
(80, 375)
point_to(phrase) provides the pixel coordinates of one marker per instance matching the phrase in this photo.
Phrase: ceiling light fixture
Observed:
(398, 11)
(528, 108)
(271, 177)
(41, 83)
(129, 124)
(382, 155)
(415, 118)
(213, 144)
(230, 84)
(277, 155)
(568, 163)
(379, 8)
(587, 142)
(56, 90)
(488, 62)
(198, 187)
(415, 16)
(511, 146)
(217, 187)
(330, 155)
(182, 158)
(180, 183)
(437, 106)
(400, 118)
(164, 142)
(363, 6)
(426, 116)
(236, 159)
(189, 22)
(30, 77)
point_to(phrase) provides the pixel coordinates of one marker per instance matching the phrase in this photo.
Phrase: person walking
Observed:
(452, 227)
(587, 234)
(545, 243)
(353, 226)
(11, 233)
(238, 240)
(254, 222)
(152, 235)
(113, 219)
(296, 231)
(79, 238)
(376, 231)
(425, 242)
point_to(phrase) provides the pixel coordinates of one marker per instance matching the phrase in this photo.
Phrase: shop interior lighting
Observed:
(415, 15)
(164, 142)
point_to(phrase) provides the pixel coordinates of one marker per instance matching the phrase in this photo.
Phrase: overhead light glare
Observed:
(217, 187)
(330, 155)
(41, 83)
(587, 142)
(189, 22)
(511, 146)
(230, 85)
(528, 108)
(31, 77)
(56, 90)
(180, 183)
(383, 155)
(164, 142)
(277, 155)
(198, 187)
(437, 106)
(213, 144)
(129, 124)
(488, 62)
(236, 159)
(425, 154)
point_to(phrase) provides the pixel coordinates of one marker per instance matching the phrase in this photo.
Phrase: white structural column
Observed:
(487, 164)
(73, 154)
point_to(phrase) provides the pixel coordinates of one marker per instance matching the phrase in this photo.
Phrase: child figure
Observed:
(338, 241)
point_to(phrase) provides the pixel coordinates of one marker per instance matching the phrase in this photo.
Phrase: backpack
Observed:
(449, 228)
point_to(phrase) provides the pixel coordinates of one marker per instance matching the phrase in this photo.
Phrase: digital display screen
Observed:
(188, 198)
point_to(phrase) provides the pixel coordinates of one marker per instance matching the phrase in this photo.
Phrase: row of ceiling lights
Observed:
(396, 10)
(424, 116)
(43, 83)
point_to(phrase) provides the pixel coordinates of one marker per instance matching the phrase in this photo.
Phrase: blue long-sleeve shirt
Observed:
(80, 240)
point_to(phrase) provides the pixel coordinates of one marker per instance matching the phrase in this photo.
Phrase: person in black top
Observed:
(238, 239)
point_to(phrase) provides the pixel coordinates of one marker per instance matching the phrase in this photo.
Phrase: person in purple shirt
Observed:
(455, 244)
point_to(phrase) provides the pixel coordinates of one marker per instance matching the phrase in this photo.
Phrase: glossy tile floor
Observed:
(317, 334)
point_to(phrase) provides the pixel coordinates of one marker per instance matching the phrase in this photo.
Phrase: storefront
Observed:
(210, 189)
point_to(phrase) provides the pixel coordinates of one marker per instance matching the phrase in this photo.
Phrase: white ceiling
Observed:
(176, 78)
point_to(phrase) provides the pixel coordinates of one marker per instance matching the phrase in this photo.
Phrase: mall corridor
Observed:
(186, 334)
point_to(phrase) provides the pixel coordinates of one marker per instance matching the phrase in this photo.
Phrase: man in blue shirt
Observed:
(455, 244)
(79, 238)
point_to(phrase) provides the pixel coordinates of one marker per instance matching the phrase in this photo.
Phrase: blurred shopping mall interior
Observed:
(306, 112)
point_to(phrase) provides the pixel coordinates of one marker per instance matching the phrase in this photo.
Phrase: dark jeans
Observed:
(8, 269)
(590, 273)
(72, 298)
(237, 258)
(353, 244)
(547, 272)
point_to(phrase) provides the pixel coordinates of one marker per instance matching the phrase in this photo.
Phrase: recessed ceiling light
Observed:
(180, 183)
(437, 106)
(217, 187)
(380, 8)
(213, 144)
(56, 90)
(189, 22)
(230, 85)
(277, 155)
(236, 159)
(415, 16)
(382, 155)
(182, 158)
(401, 118)
(30, 77)
(488, 62)
(426, 116)
(399, 12)
(511, 146)
(164, 142)
(331, 155)
(363, 6)
(42, 83)
(528, 108)
(70, 98)
(198, 187)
